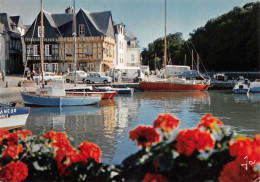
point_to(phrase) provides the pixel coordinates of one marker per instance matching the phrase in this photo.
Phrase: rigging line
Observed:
(87, 26)
(30, 45)
(191, 53)
(199, 58)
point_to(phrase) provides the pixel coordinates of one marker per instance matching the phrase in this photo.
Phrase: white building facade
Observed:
(127, 49)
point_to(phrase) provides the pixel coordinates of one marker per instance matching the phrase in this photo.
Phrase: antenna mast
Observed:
(42, 56)
(165, 45)
(74, 44)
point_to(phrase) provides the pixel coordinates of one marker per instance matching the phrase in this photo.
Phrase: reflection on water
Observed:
(108, 124)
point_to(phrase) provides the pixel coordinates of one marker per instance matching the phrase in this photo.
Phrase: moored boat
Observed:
(56, 96)
(89, 91)
(13, 117)
(119, 90)
(175, 85)
(254, 86)
(241, 87)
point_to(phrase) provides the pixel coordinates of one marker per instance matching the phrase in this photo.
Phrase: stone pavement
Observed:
(10, 85)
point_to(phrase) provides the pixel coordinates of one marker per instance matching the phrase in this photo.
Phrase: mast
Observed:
(42, 56)
(74, 43)
(165, 44)
(198, 62)
(192, 59)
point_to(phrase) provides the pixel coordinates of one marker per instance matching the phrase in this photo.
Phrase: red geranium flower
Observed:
(166, 122)
(3, 134)
(154, 178)
(50, 135)
(14, 171)
(24, 133)
(145, 135)
(13, 150)
(245, 147)
(208, 121)
(190, 140)
(65, 156)
(89, 150)
(233, 172)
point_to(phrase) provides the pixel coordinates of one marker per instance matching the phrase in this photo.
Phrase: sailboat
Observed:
(56, 95)
(174, 84)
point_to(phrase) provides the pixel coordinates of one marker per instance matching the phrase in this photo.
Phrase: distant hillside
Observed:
(231, 41)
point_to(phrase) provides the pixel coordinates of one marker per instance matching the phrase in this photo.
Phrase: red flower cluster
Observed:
(13, 150)
(145, 136)
(190, 140)
(233, 172)
(154, 178)
(89, 150)
(65, 154)
(245, 150)
(208, 121)
(24, 133)
(3, 135)
(14, 171)
(166, 122)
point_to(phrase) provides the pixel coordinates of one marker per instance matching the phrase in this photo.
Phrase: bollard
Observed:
(6, 84)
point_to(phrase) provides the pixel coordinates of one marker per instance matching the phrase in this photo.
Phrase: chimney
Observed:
(69, 10)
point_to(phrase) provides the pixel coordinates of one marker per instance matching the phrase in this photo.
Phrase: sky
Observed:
(143, 18)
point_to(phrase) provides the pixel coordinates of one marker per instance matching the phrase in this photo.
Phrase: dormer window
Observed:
(132, 44)
(81, 30)
(39, 31)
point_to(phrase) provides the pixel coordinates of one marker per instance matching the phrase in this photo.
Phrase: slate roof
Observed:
(61, 19)
(17, 20)
(102, 20)
(6, 20)
(97, 23)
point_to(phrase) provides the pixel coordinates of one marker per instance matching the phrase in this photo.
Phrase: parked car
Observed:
(48, 76)
(93, 77)
(81, 75)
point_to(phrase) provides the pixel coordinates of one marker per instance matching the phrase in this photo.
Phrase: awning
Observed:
(110, 65)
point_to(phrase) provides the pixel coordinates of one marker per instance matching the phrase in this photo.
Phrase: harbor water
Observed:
(108, 124)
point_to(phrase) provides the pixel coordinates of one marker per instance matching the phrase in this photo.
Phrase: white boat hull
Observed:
(13, 117)
(59, 101)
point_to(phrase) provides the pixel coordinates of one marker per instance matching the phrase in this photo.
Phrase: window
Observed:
(132, 44)
(36, 50)
(47, 50)
(69, 50)
(90, 66)
(46, 67)
(55, 67)
(89, 50)
(81, 30)
(132, 57)
(39, 31)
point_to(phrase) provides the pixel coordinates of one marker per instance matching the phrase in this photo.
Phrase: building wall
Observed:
(2, 52)
(133, 57)
(91, 53)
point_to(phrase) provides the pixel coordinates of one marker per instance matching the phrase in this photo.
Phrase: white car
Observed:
(47, 76)
(81, 75)
(93, 77)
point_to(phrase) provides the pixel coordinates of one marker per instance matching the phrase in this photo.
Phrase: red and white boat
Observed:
(89, 91)
(175, 85)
